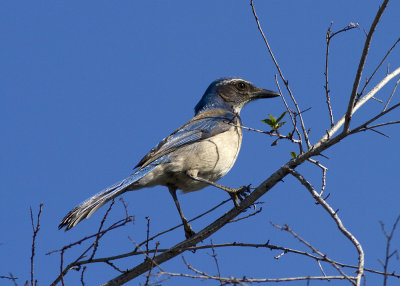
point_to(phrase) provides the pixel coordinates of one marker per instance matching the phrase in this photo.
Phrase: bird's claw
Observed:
(239, 194)
(189, 232)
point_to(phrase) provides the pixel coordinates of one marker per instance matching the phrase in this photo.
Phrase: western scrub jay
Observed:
(196, 155)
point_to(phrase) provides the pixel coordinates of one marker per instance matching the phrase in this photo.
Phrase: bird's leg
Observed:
(236, 194)
(188, 229)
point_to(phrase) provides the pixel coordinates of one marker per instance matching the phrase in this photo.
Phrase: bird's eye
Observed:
(241, 85)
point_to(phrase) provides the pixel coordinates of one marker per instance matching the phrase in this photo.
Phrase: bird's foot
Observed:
(239, 194)
(188, 231)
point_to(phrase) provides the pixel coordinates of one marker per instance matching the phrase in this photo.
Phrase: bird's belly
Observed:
(211, 159)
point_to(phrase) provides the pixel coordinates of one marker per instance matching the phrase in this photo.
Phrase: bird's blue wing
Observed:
(201, 127)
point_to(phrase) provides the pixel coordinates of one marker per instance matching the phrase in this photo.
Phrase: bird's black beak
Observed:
(264, 93)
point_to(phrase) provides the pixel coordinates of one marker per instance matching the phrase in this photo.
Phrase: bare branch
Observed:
(270, 133)
(99, 235)
(364, 126)
(179, 225)
(292, 118)
(361, 102)
(329, 36)
(234, 280)
(391, 95)
(10, 277)
(383, 124)
(376, 69)
(247, 216)
(337, 220)
(360, 69)
(75, 263)
(388, 254)
(281, 74)
(214, 256)
(324, 169)
(263, 188)
(35, 230)
(82, 275)
(314, 250)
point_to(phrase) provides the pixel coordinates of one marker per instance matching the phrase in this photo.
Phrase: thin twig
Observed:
(99, 235)
(360, 103)
(281, 74)
(235, 280)
(361, 64)
(329, 36)
(388, 253)
(75, 263)
(112, 265)
(381, 124)
(377, 68)
(152, 259)
(292, 118)
(125, 207)
(10, 277)
(314, 250)
(214, 256)
(247, 216)
(179, 225)
(147, 248)
(327, 91)
(324, 169)
(338, 222)
(82, 275)
(364, 126)
(270, 133)
(391, 95)
(35, 230)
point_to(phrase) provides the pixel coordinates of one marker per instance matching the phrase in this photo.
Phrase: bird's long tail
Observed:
(87, 208)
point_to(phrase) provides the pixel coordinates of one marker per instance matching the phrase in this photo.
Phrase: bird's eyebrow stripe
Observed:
(232, 80)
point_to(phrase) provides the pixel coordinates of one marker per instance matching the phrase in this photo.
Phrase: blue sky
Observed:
(87, 88)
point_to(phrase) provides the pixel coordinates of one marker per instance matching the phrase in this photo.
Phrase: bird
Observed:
(196, 155)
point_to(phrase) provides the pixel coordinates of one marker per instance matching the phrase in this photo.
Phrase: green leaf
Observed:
(273, 122)
(281, 124)
(293, 154)
(272, 118)
(268, 121)
(280, 117)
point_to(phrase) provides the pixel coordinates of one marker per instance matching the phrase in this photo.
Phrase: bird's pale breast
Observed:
(211, 158)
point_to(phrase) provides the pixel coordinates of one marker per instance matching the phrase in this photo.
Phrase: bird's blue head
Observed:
(231, 94)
